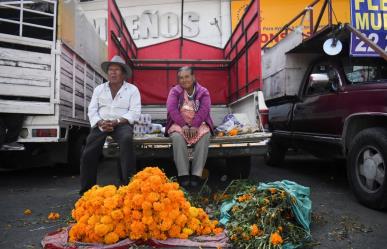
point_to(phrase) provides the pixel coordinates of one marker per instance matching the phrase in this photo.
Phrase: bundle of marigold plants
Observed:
(150, 206)
(262, 218)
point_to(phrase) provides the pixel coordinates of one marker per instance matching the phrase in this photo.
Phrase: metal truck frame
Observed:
(232, 73)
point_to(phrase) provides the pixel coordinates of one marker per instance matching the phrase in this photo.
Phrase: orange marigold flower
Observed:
(109, 203)
(183, 236)
(218, 230)
(167, 202)
(146, 187)
(181, 219)
(193, 212)
(174, 213)
(153, 196)
(163, 214)
(54, 216)
(174, 231)
(117, 214)
(106, 219)
(187, 231)
(157, 206)
(27, 211)
(254, 230)
(166, 225)
(136, 215)
(163, 236)
(137, 227)
(101, 229)
(120, 230)
(147, 212)
(148, 220)
(206, 230)
(109, 191)
(276, 239)
(175, 185)
(146, 205)
(155, 181)
(233, 132)
(244, 197)
(175, 195)
(94, 219)
(111, 238)
(138, 199)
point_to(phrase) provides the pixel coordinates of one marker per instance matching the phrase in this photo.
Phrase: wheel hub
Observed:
(370, 167)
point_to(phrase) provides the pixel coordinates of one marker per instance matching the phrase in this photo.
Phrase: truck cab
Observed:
(336, 110)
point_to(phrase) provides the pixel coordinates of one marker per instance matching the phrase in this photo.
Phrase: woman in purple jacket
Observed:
(189, 123)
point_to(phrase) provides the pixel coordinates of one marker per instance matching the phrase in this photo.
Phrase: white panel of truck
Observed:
(282, 72)
(151, 22)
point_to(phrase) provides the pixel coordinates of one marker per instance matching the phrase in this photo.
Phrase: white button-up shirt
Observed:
(126, 104)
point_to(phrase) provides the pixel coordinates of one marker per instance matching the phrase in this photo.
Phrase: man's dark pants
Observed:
(123, 135)
(10, 127)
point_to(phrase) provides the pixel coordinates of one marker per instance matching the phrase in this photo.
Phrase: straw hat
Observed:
(118, 61)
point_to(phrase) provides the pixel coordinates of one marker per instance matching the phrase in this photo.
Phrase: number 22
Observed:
(361, 48)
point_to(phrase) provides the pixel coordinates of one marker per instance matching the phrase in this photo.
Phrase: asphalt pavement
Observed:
(339, 221)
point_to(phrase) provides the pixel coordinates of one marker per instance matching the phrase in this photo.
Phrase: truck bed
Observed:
(158, 146)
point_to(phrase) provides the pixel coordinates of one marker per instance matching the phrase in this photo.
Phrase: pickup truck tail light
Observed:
(264, 117)
(44, 132)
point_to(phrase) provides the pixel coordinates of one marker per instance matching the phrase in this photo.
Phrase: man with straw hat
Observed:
(114, 107)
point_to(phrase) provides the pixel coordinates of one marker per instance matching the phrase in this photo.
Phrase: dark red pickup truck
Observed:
(340, 111)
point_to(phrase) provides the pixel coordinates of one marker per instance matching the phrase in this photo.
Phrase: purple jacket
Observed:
(202, 100)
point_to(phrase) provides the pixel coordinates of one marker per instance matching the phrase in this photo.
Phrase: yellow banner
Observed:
(275, 14)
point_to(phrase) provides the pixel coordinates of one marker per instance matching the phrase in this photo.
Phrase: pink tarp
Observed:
(59, 240)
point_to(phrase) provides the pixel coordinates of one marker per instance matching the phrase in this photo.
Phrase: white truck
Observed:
(49, 65)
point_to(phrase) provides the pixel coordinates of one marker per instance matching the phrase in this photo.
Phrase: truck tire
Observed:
(239, 167)
(275, 154)
(76, 146)
(367, 168)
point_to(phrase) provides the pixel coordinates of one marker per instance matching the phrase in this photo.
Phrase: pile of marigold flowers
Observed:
(262, 218)
(150, 206)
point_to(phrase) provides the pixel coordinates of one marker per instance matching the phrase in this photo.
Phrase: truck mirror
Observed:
(332, 46)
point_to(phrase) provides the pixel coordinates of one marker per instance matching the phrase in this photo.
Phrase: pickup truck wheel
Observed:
(367, 167)
(275, 154)
(239, 167)
(75, 150)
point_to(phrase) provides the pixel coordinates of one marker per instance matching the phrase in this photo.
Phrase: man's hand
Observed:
(115, 123)
(106, 125)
